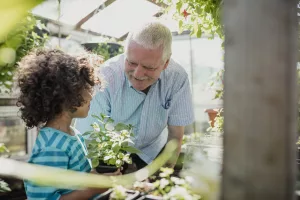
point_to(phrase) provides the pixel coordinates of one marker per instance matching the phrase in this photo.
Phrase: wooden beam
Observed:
(260, 100)
(91, 14)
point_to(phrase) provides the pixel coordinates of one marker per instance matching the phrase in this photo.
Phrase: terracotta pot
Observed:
(212, 113)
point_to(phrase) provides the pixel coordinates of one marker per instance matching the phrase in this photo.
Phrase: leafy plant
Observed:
(119, 193)
(109, 143)
(3, 185)
(107, 51)
(218, 87)
(168, 186)
(18, 43)
(198, 16)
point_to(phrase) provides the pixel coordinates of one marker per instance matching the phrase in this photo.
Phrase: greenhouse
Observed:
(125, 99)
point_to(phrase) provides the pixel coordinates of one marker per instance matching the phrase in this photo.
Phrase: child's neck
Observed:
(62, 123)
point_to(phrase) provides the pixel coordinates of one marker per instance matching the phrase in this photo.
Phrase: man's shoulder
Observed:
(113, 69)
(175, 70)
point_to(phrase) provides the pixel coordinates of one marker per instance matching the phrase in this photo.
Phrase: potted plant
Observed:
(166, 187)
(107, 49)
(109, 145)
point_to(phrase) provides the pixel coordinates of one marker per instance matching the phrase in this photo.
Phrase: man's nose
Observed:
(139, 72)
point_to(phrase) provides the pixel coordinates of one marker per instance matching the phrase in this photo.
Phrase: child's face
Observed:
(83, 110)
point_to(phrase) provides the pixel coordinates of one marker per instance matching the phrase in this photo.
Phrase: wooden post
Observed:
(260, 100)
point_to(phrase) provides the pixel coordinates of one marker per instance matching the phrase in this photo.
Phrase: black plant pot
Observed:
(131, 195)
(105, 168)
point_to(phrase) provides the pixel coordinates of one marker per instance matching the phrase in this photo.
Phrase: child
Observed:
(54, 89)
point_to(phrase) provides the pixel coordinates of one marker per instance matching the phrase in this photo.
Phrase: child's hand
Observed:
(116, 173)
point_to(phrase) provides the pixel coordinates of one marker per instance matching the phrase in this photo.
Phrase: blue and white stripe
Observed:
(55, 148)
(168, 102)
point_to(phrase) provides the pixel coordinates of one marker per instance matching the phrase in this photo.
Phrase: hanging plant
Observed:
(198, 16)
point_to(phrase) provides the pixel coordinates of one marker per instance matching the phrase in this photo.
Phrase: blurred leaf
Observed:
(69, 179)
(13, 11)
(131, 149)
(95, 162)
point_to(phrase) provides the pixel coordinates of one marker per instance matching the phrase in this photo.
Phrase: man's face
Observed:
(143, 66)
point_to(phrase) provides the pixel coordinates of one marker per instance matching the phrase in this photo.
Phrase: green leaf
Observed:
(121, 126)
(116, 147)
(112, 161)
(119, 163)
(99, 119)
(110, 120)
(95, 162)
(107, 158)
(199, 31)
(87, 133)
(131, 149)
(3, 148)
(178, 6)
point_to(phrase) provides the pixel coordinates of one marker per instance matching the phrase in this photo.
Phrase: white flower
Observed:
(177, 181)
(163, 183)
(98, 139)
(179, 193)
(96, 129)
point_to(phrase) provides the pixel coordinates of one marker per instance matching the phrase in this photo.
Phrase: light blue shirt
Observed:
(168, 102)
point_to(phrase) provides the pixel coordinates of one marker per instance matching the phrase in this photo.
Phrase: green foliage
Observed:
(119, 193)
(3, 185)
(218, 88)
(16, 45)
(106, 50)
(110, 143)
(168, 186)
(198, 16)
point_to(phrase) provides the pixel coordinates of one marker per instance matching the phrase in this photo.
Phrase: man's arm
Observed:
(175, 132)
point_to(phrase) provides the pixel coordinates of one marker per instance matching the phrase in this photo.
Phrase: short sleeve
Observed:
(49, 157)
(181, 109)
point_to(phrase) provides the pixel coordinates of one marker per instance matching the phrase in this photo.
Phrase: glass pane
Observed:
(121, 16)
(72, 11)
(12, 131)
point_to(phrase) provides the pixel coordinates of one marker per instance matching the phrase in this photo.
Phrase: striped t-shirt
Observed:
(55, 148)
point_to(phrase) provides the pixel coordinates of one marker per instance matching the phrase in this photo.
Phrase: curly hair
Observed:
(51, 82)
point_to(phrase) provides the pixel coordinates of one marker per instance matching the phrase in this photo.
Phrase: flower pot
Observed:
(212, 113)
(105, 168)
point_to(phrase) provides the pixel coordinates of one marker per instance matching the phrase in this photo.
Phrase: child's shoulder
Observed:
(49, 138)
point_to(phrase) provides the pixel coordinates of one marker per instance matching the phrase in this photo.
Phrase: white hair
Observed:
(152, 35)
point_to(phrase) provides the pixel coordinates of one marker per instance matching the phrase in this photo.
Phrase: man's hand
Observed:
(175, 132)
(116, 173)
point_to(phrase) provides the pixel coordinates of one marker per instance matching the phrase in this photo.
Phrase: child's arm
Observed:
(86, 193)
(82, 194)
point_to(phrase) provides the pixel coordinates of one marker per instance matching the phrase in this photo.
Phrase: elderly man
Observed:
(148, 89)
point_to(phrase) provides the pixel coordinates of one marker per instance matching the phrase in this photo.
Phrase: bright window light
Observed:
(72, 11)
(119, 17)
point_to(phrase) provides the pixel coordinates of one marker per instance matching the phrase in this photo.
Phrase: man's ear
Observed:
(166, 64)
